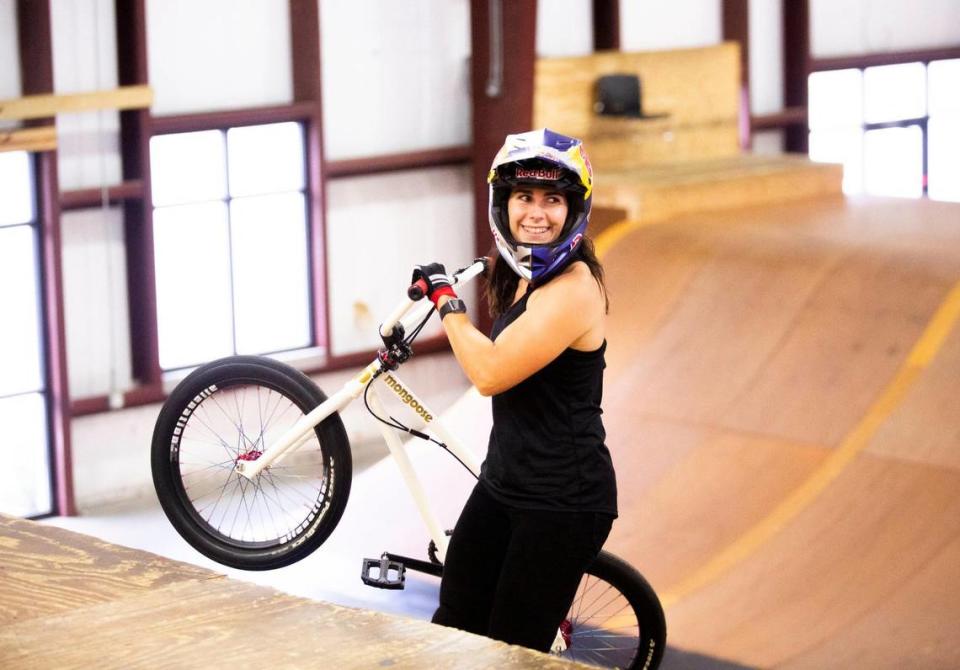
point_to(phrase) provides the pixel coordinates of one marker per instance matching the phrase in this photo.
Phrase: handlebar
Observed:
(417, 290)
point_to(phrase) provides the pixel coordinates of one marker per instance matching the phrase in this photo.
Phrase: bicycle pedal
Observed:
(382, 573)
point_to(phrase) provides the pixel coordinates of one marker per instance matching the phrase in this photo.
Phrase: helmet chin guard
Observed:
(545, 159)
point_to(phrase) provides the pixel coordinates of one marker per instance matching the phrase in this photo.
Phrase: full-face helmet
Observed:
(545, 159)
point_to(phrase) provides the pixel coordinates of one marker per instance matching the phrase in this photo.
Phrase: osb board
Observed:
(45, 570)
(695, 88)
(231, 624)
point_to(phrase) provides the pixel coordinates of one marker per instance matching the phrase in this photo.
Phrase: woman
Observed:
(546, 497)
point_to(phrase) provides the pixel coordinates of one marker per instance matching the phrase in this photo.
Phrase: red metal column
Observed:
(736, 28)
(503, 36)
(305, 55)
(606, 25)
(36, 72)
(796, 68)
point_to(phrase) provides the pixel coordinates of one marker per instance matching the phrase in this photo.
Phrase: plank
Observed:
(45, 570)
(48, 105)
(226, 623)
(43, 138)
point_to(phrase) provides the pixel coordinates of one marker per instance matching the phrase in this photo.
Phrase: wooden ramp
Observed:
(71, 601)
(783, 407)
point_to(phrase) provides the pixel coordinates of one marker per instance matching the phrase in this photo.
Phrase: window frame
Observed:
(922, 122)
(316, 302)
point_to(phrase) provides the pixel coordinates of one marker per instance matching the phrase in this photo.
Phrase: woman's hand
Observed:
(438, 282)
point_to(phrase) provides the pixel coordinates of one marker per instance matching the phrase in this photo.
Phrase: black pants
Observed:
(511, 574)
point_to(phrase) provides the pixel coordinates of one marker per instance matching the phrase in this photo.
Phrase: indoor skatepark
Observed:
(799, 510)
(780, 403)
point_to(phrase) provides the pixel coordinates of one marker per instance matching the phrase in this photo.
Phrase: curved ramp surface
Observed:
(783, 407)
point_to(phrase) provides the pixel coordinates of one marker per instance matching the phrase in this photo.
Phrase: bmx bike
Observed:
(252, 466)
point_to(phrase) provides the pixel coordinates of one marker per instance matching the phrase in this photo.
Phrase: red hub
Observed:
(566, 631)
(251, 455)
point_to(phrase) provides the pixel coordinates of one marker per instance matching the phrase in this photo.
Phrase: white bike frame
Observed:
(302, 431)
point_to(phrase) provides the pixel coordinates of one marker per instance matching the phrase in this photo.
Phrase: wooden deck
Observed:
(70, 601)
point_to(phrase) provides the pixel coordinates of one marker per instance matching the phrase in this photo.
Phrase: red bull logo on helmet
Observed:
(538, 174)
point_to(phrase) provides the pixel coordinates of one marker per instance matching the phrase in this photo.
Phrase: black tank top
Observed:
(547, 446)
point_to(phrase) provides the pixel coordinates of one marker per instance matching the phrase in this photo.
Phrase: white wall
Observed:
(95, 302)
(396, 75)
(9, 55)
(850, 27)
(647, 25)
(766, 56)
(218, 54)
(85, 60)
(378, 227)
(564, 28)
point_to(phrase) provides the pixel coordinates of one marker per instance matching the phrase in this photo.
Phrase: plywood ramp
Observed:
(70, 601)
(762, 353)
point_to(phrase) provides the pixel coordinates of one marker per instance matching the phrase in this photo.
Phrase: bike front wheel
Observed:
(616, 620)
(228, 411)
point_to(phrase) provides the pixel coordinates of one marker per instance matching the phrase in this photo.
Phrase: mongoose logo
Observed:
(407, 398)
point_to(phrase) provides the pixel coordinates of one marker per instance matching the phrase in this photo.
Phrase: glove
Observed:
(437, 282)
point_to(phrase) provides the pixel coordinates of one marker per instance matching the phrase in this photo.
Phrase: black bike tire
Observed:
(644, 602)
(304, 393)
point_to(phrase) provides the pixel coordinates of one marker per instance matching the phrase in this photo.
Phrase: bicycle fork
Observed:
(302, 431)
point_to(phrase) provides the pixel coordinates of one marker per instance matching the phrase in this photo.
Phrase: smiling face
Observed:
(536, 214)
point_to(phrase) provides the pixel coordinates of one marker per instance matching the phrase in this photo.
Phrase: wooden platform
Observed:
(684, 155)
(691, 99)
(71, 601)
(666, 190)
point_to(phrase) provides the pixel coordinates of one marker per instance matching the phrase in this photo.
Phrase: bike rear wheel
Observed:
(616, 620)
(230, 410)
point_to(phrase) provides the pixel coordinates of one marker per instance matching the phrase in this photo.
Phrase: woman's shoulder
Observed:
(578, 277)
(576, 286)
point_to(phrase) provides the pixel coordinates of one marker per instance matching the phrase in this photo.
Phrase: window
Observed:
(895, 128)
(943, 180)
(25, 486)
(231, 243)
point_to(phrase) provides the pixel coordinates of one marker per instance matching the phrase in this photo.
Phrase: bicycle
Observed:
(252, 466)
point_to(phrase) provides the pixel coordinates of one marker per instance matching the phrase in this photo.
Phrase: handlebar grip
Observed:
(417, 290)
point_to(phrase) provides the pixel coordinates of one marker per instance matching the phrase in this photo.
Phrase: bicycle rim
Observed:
(603, 628)
(229, 423)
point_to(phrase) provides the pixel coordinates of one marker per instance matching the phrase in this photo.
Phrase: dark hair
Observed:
(502, 280)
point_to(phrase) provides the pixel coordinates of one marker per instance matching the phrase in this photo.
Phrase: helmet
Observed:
(546, 159)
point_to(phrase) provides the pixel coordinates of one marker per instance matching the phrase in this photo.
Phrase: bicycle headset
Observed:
(544, 159)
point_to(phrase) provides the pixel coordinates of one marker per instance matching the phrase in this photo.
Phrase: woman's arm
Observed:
(563, 311)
